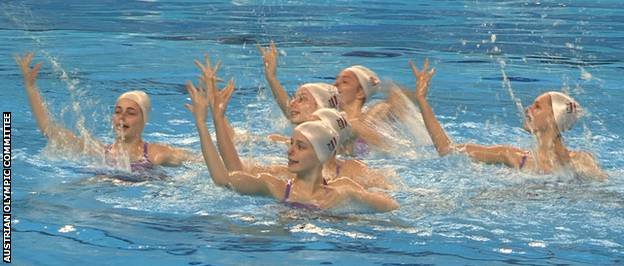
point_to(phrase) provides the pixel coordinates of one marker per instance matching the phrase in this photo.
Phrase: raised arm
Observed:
(500, 154)
(244, 183)
(224, 139)
(270, 69)
(40, 112)
(441, 141)
(218, 172)
(218, 105)
(209, 76)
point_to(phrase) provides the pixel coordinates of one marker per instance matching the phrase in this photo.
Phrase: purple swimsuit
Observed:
(139, 166)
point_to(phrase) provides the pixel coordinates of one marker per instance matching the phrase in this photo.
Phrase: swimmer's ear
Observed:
(361, 95)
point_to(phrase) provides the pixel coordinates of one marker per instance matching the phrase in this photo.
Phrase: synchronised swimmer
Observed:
(329, 119)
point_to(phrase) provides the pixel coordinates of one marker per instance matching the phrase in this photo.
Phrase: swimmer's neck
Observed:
(331, 162)
(310, 181)
(329, 168)
(129, 143)
(550, 149)
(353, 109)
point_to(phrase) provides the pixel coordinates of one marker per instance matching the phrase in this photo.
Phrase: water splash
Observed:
(404, 131)
(507, 85)
(90, 149)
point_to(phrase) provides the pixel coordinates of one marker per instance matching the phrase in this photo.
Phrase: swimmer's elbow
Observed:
(221, 182)
(445, 147)
(49, 131)
(388, 204)
(392, 205)
(443, 151)
(224, 181)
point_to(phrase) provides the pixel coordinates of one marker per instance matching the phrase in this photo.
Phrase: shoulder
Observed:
(516, 157)
(582, 155)
(586, 165)
(583, 158)
(164, 149)
(343, 182)
(275, 185)
(511, 150)
(263, 184)
(351, 162)
(512, 153)
(161, 153)
(158, 147)
(269, 178)
(272, 181)
(378, 111)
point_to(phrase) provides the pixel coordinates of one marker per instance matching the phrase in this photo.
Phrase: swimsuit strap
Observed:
(337, 168)
(337, 172)
(288, 186)
(145, 153)
(524, 159)
(298, 204)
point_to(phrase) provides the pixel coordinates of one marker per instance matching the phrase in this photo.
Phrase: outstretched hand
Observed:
(209, 74)
(423, 79)
(220, 100)
(269, 59)
(29, 75)
(200, 101)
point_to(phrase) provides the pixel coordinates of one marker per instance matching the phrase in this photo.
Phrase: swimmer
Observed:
(309, 98)
(354, 169)
(132, 110)
(311, 146)
(333, 168)
(355, 85)
(550, 114)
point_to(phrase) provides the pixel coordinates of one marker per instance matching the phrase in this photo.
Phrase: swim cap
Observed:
(326, 95)
(368, 80)
(566, 110)
(337, 120)
(323, 138)
(141, 99)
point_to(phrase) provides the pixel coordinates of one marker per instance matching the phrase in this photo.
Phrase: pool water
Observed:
(492, 58)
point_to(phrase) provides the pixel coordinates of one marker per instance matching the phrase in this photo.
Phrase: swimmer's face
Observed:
(128, 119)
(349, 88)
(302, 106)
(539, 115)
(301, 155)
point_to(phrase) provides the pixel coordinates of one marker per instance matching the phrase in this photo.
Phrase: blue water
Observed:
(454, 211)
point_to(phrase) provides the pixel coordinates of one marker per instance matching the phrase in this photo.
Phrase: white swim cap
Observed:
(337, 120)
(326, 95)
(141, 99)
(368, 80)
(566, 110)
(323, 138)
